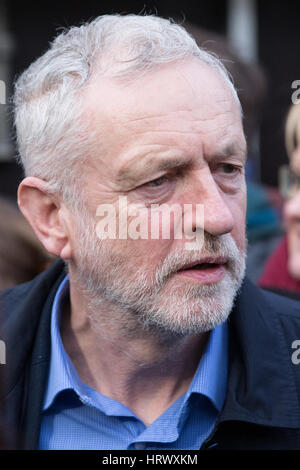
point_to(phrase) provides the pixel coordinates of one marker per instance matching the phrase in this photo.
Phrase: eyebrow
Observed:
(154, 164)
(231, 149)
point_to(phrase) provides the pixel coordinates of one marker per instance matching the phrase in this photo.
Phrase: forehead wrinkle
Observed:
(188, 115)
(152, 117)
(169, 132)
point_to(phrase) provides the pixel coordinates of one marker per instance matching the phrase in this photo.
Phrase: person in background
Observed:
(282, 270)
(264, 227)
(22, 256)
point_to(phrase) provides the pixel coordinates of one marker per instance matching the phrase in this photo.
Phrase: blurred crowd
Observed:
(22, 256)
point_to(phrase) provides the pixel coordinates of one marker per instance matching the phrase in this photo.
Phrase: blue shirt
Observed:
(75, 416)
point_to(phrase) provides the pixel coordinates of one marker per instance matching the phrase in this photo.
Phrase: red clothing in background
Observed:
(275, 273)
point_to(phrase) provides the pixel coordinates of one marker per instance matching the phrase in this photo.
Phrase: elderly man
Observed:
(131, 346)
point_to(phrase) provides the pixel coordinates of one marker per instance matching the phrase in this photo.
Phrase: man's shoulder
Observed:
(18, 292)
(283, 302)
(269, 301)
(263, 330)
(262, 316)
(50, 273)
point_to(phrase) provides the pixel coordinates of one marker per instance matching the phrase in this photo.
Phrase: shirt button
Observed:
(139, 445)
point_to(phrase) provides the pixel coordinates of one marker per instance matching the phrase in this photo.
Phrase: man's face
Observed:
(173, 136)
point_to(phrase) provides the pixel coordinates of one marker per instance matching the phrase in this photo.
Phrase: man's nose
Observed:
(291, 210)
(218, 218)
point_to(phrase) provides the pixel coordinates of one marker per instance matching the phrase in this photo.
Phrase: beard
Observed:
(139, 300)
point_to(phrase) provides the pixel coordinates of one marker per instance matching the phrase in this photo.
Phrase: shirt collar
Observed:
(60, 376)
(209, 380)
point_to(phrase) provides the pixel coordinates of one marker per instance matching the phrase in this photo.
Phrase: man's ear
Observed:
(46, 216)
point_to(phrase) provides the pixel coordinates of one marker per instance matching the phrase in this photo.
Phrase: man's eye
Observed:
(157, 182)
(157, 190)
(230, 169)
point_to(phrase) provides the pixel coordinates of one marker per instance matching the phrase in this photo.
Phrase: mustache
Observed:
(223, 246)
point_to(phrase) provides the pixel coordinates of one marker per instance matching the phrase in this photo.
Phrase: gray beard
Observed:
(161, 304)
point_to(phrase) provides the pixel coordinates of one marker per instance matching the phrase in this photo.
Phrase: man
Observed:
(126, 118)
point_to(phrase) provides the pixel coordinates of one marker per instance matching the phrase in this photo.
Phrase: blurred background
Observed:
(258, 41)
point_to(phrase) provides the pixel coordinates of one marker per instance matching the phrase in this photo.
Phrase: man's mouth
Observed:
(206, 271)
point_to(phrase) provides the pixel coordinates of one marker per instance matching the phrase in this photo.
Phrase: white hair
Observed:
(52, 138)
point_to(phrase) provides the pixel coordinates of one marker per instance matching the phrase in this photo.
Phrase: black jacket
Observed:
(262, 406)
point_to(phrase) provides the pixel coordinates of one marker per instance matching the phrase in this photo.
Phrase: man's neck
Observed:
(145, 371)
